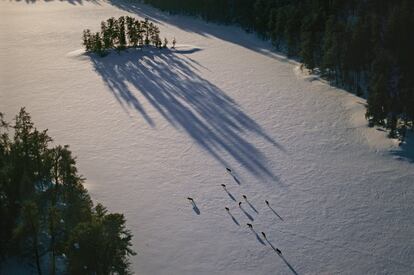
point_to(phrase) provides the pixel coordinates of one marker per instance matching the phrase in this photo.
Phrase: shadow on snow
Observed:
(169, 82)
(406, 150)
(188, 23)
(72, 2)
(200, 27)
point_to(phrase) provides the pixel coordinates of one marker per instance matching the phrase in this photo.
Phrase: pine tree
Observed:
(111, 28)
(53, 219)
(97, 44)
(41, 194)
(154, 35)
(292, 30)
(146, 29)
(7, 221)
(121, 33)
(140, 32)
(377, 110)
(277, 24)
(308, 43)
(30, 227)
(106, 36)
(86, 40)
(331, 61)
(261, 11)
(100, 246)
(131, 31)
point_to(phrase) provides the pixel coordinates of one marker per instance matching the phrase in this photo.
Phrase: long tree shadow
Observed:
(189, 24)
(187, 101)
(72, 2)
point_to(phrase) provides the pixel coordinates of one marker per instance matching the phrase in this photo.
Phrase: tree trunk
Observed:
(36, 251)
(53, 271)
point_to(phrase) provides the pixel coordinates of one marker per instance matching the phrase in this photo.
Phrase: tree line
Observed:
(47, 216)
(362, 46)
(122, 33)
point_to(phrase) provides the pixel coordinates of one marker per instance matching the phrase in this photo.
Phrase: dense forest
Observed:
(122, 33)
(362, 46)
(47, 215)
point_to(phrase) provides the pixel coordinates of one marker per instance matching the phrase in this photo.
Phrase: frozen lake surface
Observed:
(151, 128)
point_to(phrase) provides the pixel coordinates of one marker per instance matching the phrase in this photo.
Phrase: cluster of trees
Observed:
(362, 46)
(121, 33)
(47, 214)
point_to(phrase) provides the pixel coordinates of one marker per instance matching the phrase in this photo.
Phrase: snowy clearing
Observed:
(151, 128)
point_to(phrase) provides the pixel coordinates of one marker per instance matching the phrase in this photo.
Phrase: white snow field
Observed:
(151, 128)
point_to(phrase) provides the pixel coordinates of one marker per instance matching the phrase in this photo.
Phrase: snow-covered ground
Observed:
(151, 128)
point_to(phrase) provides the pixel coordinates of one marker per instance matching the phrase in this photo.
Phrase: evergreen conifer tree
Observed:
(100, 246)
(43, 200)
(121, 33)
(86, 40)
(106, 36)
(29, 229)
